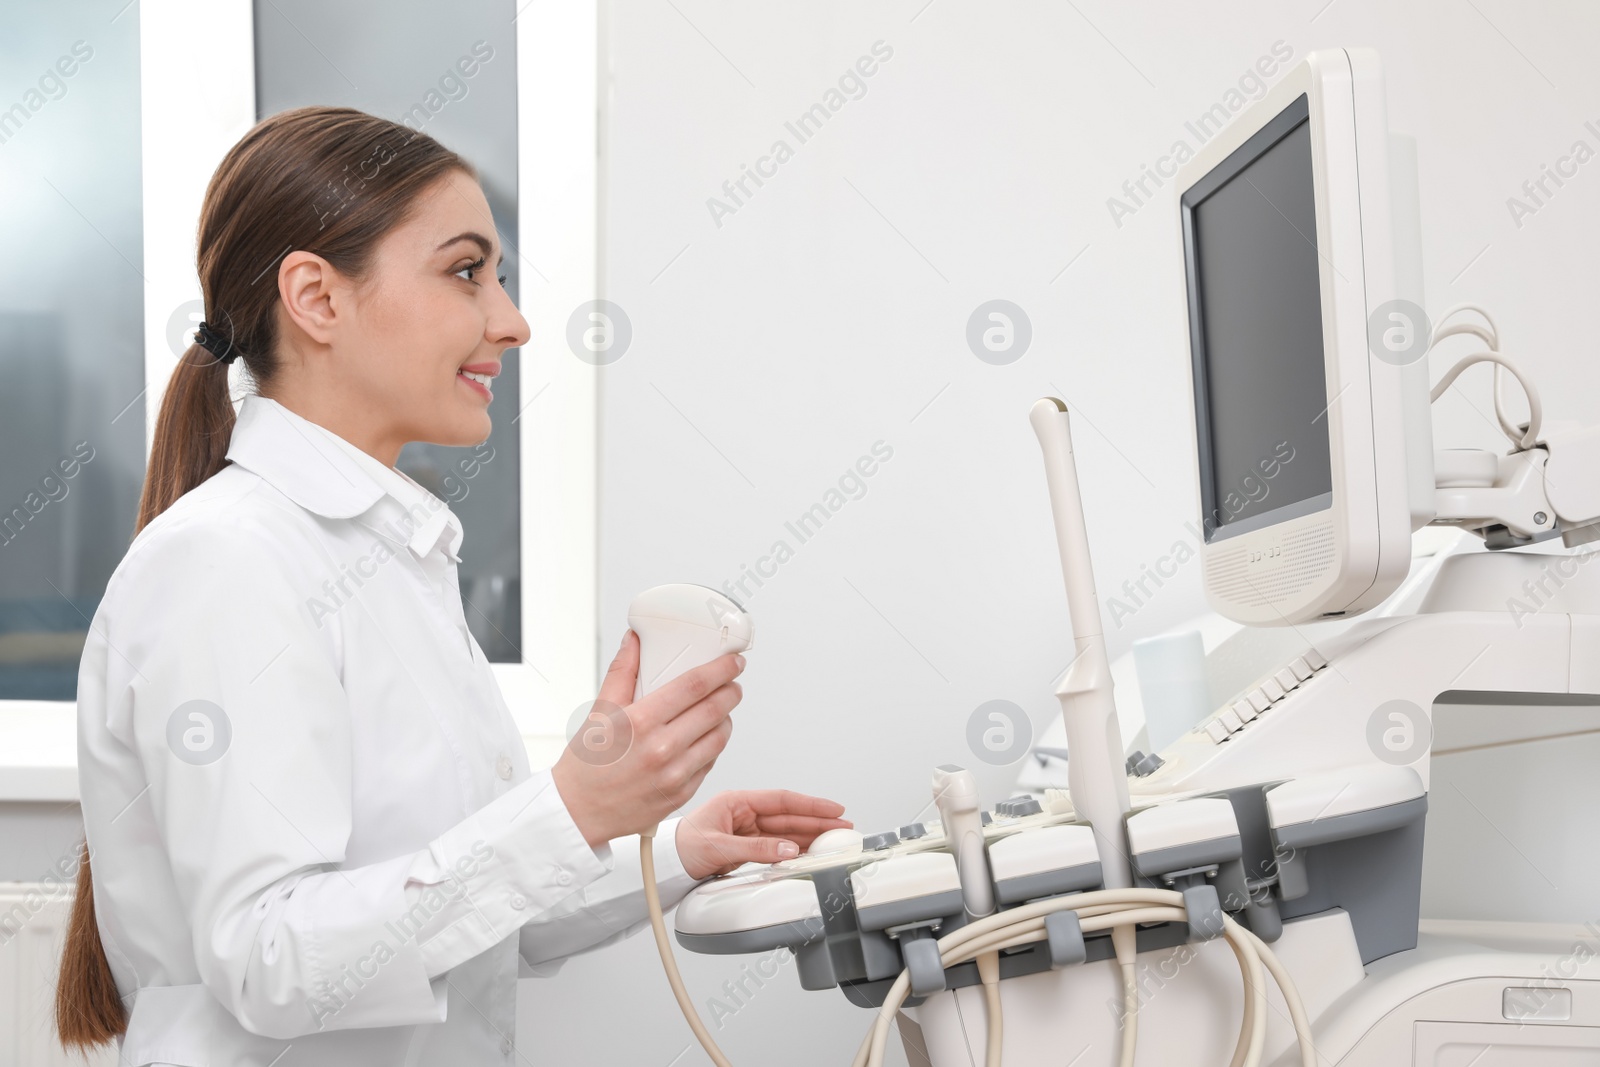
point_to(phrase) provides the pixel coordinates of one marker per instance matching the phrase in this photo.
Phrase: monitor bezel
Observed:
(1280, 126)
(1348, 557)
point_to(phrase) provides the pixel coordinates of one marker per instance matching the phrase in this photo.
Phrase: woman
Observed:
(315, 835)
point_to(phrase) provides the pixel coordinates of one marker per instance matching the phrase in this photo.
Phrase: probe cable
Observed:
(1106, 909)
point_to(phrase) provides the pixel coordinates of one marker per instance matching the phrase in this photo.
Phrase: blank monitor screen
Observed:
(1255, 309)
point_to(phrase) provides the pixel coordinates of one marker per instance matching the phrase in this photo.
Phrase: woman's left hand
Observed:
(752, 826)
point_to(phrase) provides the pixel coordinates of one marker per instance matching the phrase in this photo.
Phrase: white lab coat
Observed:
(315, 837)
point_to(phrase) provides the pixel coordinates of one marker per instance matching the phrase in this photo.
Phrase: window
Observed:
(72, 320)
(448, 71)
(104, 171)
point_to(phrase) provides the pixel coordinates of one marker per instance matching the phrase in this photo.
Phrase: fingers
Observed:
(792, 825)
(768, 826)
(737, 850)
(622, 675)
(676, 756)
(688, 689)
(701, 719)
(786, 801)
(704, 752)
(678, 774)
(775, 847)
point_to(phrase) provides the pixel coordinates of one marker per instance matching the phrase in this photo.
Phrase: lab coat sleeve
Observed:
(235, 707)
(608, 909)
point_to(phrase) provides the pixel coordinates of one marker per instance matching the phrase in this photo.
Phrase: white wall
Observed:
(829, 312)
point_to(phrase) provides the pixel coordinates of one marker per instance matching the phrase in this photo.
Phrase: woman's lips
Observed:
(478, 387)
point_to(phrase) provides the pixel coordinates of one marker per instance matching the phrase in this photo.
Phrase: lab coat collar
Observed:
(329, 476)
(409, 514)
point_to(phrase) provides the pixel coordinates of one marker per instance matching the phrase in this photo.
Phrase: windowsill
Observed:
(39, 750)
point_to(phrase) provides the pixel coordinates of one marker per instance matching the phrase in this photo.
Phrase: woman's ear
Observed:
(308, 286)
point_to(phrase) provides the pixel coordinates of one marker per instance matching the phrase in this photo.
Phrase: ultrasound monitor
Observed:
(1301, 449)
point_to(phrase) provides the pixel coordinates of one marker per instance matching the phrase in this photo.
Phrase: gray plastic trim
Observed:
(1205, 911)
(762, 939)
(1262, 915)
(1064, 934)
(926, 971)
(815, 965)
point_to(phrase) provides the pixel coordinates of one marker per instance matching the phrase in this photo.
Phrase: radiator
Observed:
(32, 924)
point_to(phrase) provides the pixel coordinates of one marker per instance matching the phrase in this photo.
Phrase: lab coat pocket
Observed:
(185, 1026)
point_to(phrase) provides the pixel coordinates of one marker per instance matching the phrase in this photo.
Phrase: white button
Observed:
(563, 878)
(503, 767)
(1287, 679)
(1314, 658)
(1273, 690)
(1217, 731)
(506, 1047)
(1301, 669)
(1244, 709)
(1258, 700)
(1229, 720)
(519, 902)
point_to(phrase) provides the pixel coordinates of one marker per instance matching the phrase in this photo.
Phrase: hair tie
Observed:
(206, 337)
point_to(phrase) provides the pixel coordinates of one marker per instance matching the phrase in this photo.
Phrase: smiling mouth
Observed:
(483, 383)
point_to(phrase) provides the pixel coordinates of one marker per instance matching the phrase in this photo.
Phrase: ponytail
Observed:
(192, 432)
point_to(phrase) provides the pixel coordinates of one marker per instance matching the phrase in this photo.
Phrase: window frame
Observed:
(184, 44)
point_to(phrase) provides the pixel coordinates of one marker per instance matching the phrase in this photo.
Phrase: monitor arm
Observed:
(1547, 484)
(1524, 496)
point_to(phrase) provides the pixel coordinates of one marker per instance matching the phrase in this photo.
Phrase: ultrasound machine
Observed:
(1246, 882)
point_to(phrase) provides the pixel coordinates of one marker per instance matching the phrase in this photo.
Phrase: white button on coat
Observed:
(310, 816)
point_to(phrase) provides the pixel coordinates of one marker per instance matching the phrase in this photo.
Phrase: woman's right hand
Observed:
(630, 765)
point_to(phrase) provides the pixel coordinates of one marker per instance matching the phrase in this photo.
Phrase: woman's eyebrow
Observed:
(477, 238)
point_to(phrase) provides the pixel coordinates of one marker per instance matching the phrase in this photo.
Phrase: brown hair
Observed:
(328, 180)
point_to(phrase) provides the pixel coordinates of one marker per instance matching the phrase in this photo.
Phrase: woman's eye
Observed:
(479, 265)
